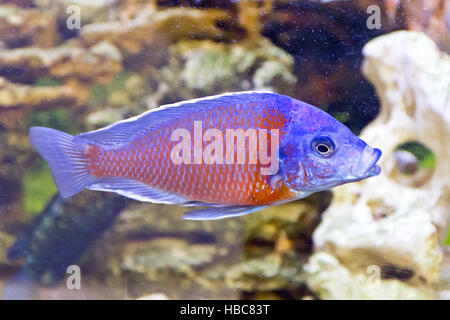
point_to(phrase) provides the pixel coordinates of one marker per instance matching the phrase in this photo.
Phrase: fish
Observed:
(234, 154)
(57, 238)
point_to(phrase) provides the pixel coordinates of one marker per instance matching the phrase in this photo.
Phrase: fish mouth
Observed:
(366, 166)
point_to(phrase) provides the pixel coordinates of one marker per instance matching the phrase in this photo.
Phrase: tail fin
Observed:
(65, 156)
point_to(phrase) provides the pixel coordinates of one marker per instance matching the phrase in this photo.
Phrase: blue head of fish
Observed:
(319, 152)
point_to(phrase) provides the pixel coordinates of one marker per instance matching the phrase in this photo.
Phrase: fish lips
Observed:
(366, 166)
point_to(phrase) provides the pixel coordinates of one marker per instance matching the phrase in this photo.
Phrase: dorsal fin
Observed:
(123, 131)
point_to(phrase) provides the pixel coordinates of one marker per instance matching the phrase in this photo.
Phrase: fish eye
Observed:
(323, 146)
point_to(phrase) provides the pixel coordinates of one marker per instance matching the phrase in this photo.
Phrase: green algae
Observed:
(447, 238)
(47, 82)
(59, 119)
(38, 188)
(426, 158)
(100, 92)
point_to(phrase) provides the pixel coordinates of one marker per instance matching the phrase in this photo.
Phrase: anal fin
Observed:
(215, 213)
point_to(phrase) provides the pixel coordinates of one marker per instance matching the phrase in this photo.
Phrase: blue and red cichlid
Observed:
(140, 157)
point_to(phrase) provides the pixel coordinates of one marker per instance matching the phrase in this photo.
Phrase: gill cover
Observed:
(294, 173)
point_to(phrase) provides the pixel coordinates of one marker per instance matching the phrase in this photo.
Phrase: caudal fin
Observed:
(65, 155)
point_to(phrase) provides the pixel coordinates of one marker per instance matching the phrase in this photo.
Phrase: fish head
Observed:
(319, 153)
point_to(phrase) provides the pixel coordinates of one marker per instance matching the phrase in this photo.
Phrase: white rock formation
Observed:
(330, 280)
(380, 221)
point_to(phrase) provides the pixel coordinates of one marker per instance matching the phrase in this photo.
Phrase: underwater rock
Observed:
(151, 31)
(17, 95)
(266, 273)
(11, 171)
(292, 219)
(121, 98)
(17, 100)
(140, 221)
(411, 77)
(443, 287)
(172, 266)
(153, 247)
(64, 62)
(250, 14)
(378, 221)
(331, 280)
(26, 27)
(104, 117)
(206, 66)
(154, 296)
(430, 17)
(90, 10)
(167, 257)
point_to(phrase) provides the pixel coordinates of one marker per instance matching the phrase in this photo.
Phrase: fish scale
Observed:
(172, 177)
